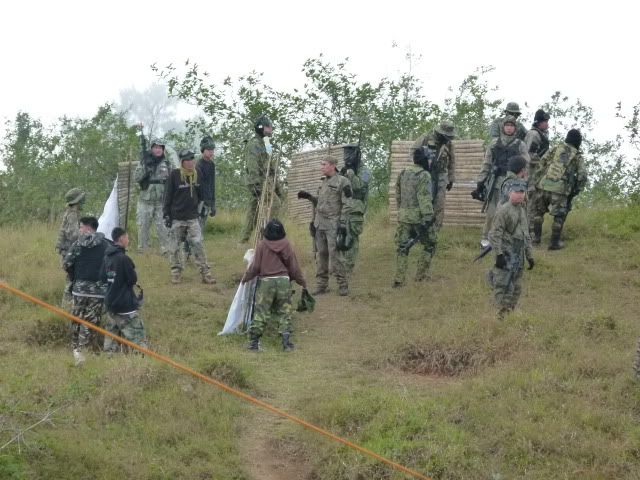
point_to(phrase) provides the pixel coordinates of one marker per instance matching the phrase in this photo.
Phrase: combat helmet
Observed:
(74, 196)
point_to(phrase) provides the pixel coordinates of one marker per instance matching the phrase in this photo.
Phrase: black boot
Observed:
(537, 233)
(556, 243)
(287, 346)
(254, 342)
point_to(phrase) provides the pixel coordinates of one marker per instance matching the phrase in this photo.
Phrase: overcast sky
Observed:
(69, 57)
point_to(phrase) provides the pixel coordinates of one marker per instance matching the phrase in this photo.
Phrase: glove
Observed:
(531, 263)
(342, 229)
(449, 185)
(167, 222)
(212, 213)
(423, 229)
(480, 186)
(305, 195)
(501, 262)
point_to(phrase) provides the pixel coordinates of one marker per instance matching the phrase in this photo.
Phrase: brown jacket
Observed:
(275, 258)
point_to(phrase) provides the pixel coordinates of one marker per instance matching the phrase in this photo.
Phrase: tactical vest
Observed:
(408, 188)
(500, 154)
(560, 161)
(88, 264)
(543, 146)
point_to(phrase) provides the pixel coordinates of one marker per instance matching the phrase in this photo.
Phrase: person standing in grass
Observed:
(121, 302)
(511, 244)
(68, 234)
(275, 264)
(83, 264)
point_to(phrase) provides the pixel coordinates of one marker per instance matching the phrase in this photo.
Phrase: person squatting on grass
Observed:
(83, 263)
(121, 302)
(275, 264)
(511, 243)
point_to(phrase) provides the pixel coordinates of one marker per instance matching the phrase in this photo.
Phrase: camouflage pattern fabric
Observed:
(272, 301)
(188, 230)
(358, 208)
(414, 196)
(554, 203)
(129, 326)
(347, 259)
(334, 205)
(154, 194)
(562, 170)
(89, 309)
(509, 236)
(327, 259)
(146, 214)
(426, 248)
(69, 229)
(496, 128)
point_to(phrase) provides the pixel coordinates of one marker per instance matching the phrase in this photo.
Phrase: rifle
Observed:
(483, 253)
(421, 231)
(126, 214)
(490, 182)
(144, 181)
(515, 261)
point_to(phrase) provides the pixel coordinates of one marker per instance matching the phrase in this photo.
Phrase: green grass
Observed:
(424, 375)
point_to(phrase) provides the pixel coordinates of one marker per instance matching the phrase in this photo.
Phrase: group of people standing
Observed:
(521, 179)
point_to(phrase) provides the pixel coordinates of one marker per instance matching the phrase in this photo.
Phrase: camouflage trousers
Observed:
(67, 298)
(426, 249)
(251, 216)
(89, 309)
(490, 212)
(327, 259)
(272, 300)
(554, 203)
(507, 287)
(531, 196)
(188, 230)
(146, 214)
(126, 325)
(438, 203)
(348, 258)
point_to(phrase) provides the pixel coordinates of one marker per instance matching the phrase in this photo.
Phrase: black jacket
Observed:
(119, 272)
(180, 200)
(207, 180)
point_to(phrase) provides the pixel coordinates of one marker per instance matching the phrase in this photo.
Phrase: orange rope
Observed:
(218, 384)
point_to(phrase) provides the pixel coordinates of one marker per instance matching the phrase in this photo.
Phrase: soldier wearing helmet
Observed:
(512, 109)
(68, 233)
(495, 166)
(258, 167)
(151, 174)
(443, 168)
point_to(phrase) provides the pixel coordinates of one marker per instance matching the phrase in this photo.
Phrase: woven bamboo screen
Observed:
(460, 208)
(304, 174)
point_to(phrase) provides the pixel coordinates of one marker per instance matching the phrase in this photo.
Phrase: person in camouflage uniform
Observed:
(516, 171)
(494, 168)
(257, 157)
(151, 174)
(275, 264)
(537, 142)
(358, 176)
(415, 216)
(511, 244)
(560, 177)
(444, 166)
(512, 110)
(121, 302)
(180, 211)
(68, 234)
(83, 264)
(332, 208)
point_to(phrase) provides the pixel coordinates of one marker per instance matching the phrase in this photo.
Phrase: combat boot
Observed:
(537, 233)
(287, 346)
(343, 290)
(176, 278)
(320, 290)
(555, 243)
(254, 342)
(208, 278)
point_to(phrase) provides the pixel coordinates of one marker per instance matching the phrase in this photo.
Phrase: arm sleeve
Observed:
(496, 232)
(451, 171)
(168, 196)
(346, 201)
(398, 188)
(582, 173)
(254, 269)
(293, 268)
(131, 275)
(425, 198)
(486, 164)
(140, 172)
(524, 151)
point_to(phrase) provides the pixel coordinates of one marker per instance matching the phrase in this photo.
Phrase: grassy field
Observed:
(424, 375)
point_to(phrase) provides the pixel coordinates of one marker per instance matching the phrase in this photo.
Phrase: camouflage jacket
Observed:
(537, 142)
(83, 264)
(158, 173)
(256, 161)
(414, 196)
(68, 229)
(562, 170)
(509, 145)
(509, 233)
(360, 191)
(444, 166)
(333, 202)
(496, 129)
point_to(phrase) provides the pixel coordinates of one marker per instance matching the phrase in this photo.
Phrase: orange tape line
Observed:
(218, 384)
